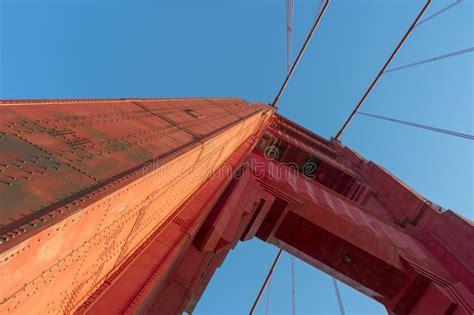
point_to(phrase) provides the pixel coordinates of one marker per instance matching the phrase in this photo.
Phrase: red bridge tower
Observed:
(130, 205)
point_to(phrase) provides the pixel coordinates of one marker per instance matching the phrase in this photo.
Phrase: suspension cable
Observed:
(456, 53)
(456, 2)
(290, 11)
(300, 54)
(289, 40)
(267, 305)
(339, 299)
(445, 131)
(267, 280)
(387, 63)
(293, 289)
(319, 9)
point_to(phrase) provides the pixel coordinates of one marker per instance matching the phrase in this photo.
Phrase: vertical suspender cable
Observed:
(293, 296)
(404, 122)
(300, 54)
(456, 2)
(387, 63)
(452, 54)
(289, 40)
(289, 31)
(275, 102)
(319, 8)
(339, 299)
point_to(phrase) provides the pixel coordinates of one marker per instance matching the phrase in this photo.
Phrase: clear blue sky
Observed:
(105, 48)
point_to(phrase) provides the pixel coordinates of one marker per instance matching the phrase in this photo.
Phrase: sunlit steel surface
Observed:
(84, 183)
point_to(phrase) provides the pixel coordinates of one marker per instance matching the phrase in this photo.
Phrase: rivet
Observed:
(347, 260)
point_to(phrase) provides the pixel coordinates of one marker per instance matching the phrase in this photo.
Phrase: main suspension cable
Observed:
(453, 54)
(387, 63)
(267, 280)
(444, 131)
(300, 54)
(267, 305)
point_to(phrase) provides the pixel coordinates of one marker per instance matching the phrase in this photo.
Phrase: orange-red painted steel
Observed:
(89, 182)
(130, 206)
(370, 231)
